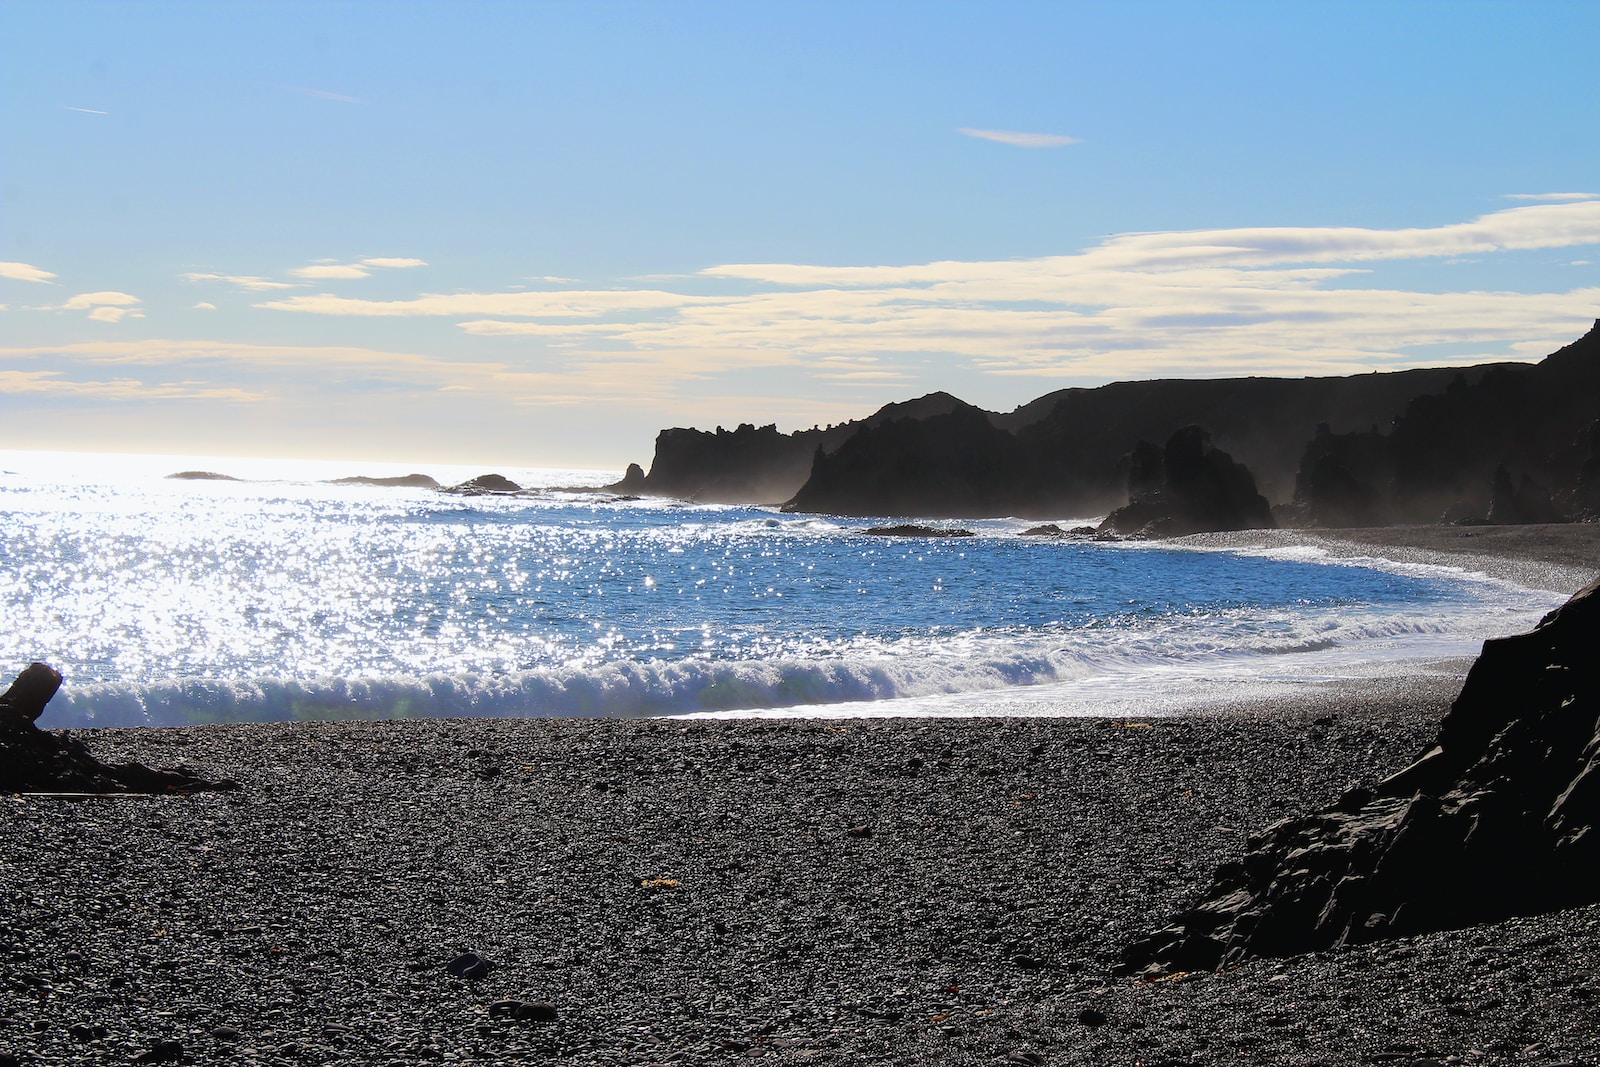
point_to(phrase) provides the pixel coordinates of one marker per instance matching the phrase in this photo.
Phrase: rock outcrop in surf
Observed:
(1500, 817)
(1188, 486)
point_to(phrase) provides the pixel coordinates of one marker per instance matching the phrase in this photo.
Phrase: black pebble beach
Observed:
(894, 891)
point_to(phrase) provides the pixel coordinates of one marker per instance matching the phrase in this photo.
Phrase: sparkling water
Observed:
(286, 597)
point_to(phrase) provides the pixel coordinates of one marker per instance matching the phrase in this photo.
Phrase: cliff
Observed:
(1370, 448)
(1518, 443)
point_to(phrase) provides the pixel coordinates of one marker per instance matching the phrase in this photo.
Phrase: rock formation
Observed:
(1513, 442)
(1500, 817)
(956, 464)
(35, 760)
(399, 481)
(1071, 443)
(485, 485)
(1187, 487)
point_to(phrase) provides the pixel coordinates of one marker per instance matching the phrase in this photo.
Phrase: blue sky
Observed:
(538, 232)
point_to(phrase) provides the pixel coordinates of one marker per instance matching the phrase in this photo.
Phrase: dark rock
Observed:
(915, 530)
(163, 1052)
(35, 760)
(533, 1011)
(1092, 1017)
(632, 481)
(956, 463)
(226, 1033)
(485, 485)
(1500, 817)
(1345, 479)
(1048, 529)
(202, 476)
(400, 481)
(1201, 489)
(468, 965)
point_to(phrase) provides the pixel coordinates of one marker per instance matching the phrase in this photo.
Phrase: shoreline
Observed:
(799, 891)
(1555, 557)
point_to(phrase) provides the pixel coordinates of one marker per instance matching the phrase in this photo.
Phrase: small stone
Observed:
(468, 965)
(225, 1033)
(1092, 1017)
(535, 1011)
(859, 831)
(164, 1052)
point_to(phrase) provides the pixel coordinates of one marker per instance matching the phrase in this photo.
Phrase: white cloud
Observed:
(562, 303)
(1019, 139)
(84, 301)
(247, 282)
(23, 272)
(1553, 196)
(105, 306)
(84, 110)
(330, 271)
(1262, 300)
(205, 305)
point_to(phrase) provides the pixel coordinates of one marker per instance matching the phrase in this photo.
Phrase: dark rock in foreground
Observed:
(35, 760)
(1190, 486)
(1500, 817)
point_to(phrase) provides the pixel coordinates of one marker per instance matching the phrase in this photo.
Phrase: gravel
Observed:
(893, 891)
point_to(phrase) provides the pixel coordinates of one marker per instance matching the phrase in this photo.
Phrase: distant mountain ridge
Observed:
(1414, 443)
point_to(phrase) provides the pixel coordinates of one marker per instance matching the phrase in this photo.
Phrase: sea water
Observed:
(281, 596)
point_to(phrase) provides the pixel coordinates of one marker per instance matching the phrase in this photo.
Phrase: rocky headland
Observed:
(1503, 443)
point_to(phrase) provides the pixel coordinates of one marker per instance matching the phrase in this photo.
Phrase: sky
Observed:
(537, 233)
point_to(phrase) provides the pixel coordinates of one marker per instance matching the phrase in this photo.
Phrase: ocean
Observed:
(281, 596)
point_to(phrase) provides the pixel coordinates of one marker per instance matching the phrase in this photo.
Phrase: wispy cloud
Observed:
(84, 110)
(1020, 139)
(1553, 196)
(323, 94)
(1280, 300)
(330, 271)
(537, 304)
(23, 272)
(205, 305)
(49, 382)
(248, 282)
(335, 271)
(393, 262)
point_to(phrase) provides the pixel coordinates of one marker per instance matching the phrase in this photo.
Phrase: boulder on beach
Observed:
(1189, 486)
(1499, 817)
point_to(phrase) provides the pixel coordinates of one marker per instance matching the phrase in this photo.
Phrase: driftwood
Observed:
(41, 761)
(24, 702)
